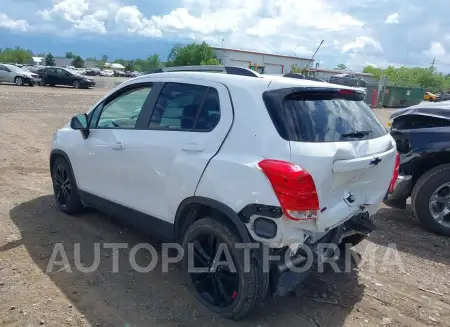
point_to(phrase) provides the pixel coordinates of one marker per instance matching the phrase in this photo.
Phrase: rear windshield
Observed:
(318, 118)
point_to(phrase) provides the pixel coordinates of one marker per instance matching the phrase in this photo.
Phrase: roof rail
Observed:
(231, 70)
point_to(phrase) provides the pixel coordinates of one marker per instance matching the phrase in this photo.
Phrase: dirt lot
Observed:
(30, 225)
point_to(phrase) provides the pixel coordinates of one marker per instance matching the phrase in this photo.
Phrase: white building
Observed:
(114, 66)
(262, 62)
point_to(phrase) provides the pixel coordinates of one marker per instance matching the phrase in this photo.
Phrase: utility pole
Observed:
(223, 40)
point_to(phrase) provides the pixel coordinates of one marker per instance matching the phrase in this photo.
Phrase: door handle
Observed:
(192, 147)
(118, 146)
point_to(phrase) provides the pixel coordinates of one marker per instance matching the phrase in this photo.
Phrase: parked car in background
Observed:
(62, 76)
(107, 72)
(301, 76)
(17, 75)
(430, 97)
(315, 173)
(422, 134)
(119, 73)
(348, 80)
(92, 72)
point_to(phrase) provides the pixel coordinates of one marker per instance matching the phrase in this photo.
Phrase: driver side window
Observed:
(123, 111)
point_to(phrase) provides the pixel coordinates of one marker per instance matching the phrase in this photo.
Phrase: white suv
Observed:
(207, 158)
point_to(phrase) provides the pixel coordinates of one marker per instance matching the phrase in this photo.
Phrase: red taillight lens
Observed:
(346, 92)
(395, 174)
(294, 188)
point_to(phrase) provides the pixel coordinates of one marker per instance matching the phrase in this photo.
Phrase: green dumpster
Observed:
(398, 96)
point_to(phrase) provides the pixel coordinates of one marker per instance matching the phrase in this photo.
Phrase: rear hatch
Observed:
(336, 138)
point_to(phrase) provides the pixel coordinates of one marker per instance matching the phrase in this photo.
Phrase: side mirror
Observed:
(80, 122)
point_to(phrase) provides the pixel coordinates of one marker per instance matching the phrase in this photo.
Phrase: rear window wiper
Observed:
(357, 134)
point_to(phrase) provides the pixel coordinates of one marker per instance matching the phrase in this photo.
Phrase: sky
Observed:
(355, 33)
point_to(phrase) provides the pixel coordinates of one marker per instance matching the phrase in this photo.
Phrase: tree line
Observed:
(180, 55)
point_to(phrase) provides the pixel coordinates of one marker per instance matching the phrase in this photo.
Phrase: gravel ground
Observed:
(30, 225)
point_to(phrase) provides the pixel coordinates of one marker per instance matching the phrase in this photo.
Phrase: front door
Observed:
(102, 160)
(63, 77)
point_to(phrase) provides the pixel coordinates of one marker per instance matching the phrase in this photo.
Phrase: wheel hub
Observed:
(439, 204)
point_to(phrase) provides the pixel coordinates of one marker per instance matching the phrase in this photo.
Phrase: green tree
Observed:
(49, 60)
(129, 67)
(210, 62)
(70, 55)
(148, 65)
(191, 54)
(427, 78)
(341, 67)
(296, 69)
(78, 62)
(17, 55)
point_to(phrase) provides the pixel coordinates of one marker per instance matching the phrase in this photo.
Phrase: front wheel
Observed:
(19, 81)
(76, 84)
(430, 199)
(230, 290)
(65, 188)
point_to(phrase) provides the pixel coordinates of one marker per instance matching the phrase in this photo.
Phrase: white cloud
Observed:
(392, 19)
(9, 23)
(361, 42)
(134, 21)
(70, 10)
(436, 50)
(94, 23)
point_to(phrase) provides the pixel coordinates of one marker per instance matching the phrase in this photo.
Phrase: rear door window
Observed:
(186, 107)
(326, 118)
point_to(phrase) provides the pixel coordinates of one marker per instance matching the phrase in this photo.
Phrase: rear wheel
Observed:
(231, 293)
(65, 188)
(430, 199)
(19, 81)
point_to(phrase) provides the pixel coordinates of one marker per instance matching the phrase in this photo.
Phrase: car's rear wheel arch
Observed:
(194, 208)
(428, 163)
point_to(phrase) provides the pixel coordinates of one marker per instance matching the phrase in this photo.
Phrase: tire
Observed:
(62, 174)
(19, 81)
(421, 194)
(76, 84)
(248, 289)
(31, 84)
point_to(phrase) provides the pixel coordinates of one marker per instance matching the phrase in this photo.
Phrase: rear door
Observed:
(336, 137)
(187, 126)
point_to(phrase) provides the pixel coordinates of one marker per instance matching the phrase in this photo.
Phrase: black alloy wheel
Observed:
(219, 279)
(219, 285)
(62, 186)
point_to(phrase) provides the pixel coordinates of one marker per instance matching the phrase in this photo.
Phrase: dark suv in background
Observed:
(422, 134)
(62, 76)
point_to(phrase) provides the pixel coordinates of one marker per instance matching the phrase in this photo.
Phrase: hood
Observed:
(439, 110)
(28, 74)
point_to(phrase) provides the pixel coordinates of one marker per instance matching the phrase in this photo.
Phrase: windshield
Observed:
(333, 120)
(322, 115)
(73, 72)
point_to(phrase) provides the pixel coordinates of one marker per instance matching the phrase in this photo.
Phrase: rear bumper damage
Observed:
(402, 191)
(290, 271)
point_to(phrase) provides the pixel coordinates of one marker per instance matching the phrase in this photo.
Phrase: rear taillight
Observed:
(294, 187)
(395, 174)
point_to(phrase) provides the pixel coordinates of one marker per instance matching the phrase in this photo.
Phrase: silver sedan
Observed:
(17, 75)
